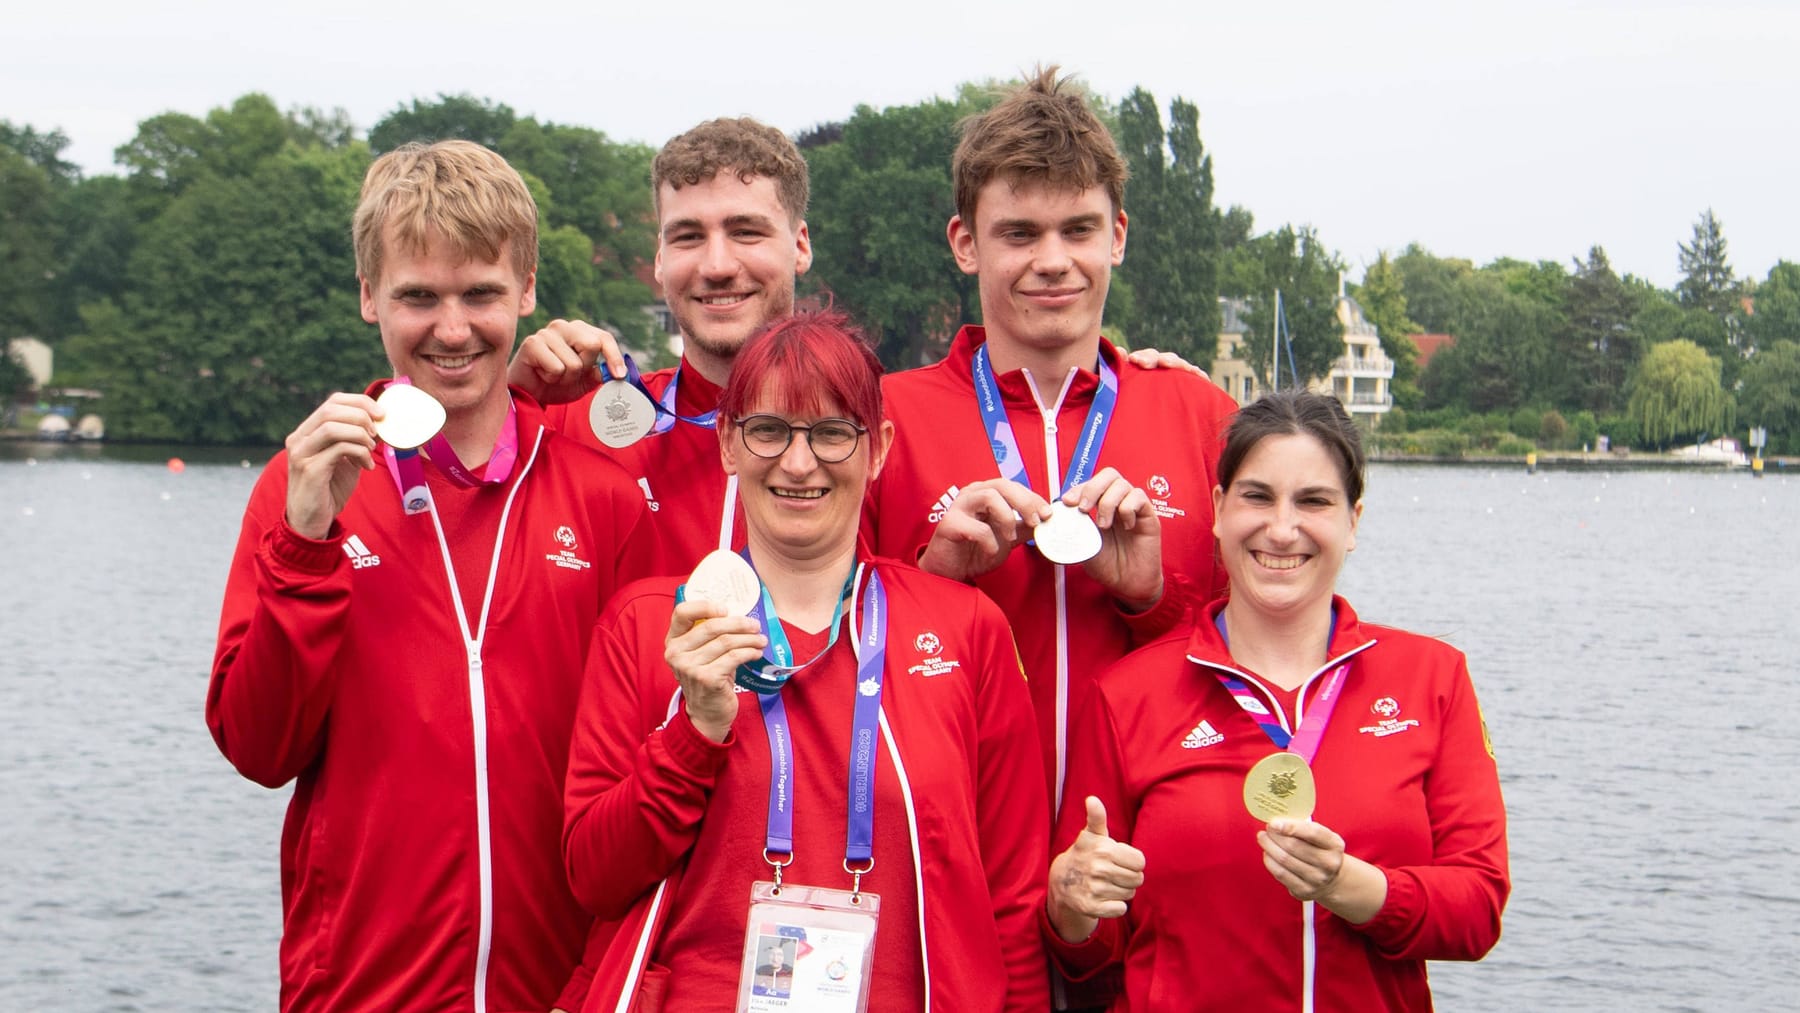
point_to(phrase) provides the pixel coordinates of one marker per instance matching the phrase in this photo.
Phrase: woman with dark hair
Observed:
(737, 780)
(1286, 808)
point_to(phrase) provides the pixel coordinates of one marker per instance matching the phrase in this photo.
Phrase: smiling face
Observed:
(795, 505)
(1284, 526)
(726, 257)
(1044, 256)
(448, 322)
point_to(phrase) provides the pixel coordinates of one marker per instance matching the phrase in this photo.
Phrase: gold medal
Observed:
(1281, 784)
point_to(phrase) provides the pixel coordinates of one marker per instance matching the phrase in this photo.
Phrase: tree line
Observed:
(208, 290)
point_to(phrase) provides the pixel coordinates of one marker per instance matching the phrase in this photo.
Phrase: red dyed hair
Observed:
(803, 365)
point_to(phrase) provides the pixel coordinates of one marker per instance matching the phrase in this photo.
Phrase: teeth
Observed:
(722, 300)
(799, 493)
(451, 362)
(1278, 562)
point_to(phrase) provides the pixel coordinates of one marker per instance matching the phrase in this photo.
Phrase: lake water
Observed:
(1631, 635)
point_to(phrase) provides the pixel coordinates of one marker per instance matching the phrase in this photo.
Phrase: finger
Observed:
(1096, 816)
(1127, 858)
(609, 352)
(1106, 502)
(1020, 499)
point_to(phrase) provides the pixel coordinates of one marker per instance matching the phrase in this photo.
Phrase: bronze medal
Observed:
(1281, 784)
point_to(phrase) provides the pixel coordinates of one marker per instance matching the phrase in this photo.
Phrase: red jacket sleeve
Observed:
(1012, 813)
(635, 792)
(1095, 768)
(287, 603)
(1450, 909)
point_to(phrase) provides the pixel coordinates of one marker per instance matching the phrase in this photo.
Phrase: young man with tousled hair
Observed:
(1037, 397)
(411, 661)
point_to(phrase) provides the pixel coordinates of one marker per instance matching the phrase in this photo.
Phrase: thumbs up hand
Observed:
(1093, 879)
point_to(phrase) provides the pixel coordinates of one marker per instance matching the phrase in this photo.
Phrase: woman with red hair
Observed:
(740, 780)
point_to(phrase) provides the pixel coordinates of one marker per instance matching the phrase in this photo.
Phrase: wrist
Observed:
(1138, 603)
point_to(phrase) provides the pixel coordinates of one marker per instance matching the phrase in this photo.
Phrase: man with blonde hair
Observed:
(403, 632)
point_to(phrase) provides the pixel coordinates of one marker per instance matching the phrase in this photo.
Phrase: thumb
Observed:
(1096, 817)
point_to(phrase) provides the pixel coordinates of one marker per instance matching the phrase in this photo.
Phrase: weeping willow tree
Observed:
(1677, 395)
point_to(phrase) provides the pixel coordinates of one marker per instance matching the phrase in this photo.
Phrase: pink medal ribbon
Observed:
(409, 473)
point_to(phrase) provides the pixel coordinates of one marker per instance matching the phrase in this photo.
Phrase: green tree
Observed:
(881, 196)
(1295, 263)
(1677, 395)
(97, 229)
(1597, 346)
(1432, 285)
(27, 245)
(450, 116)
(1172, 263)
(1776, 314)
(15, 380)
(42, 150)
(1502, 357)
(1770, 396)
(1707, 281)
(1382, 296)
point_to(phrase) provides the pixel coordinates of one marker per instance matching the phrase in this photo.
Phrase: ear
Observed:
(962, 244)
(656, 264)
(803, 245)
(368, 302)
(1218, 502)
(1355, 518)
(528, 297)
(729, 446)
(1118, 243)
(881, 440)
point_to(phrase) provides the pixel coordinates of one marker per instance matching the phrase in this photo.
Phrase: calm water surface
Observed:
(1631, 635)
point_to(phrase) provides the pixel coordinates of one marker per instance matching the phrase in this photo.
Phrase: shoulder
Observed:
(902, 389)
(1197, 391)
(1142, 672)
(649, 599)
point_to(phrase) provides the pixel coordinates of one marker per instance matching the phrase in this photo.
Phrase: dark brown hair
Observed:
(1295, 412)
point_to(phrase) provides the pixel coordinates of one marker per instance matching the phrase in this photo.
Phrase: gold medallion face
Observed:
(1281, 784)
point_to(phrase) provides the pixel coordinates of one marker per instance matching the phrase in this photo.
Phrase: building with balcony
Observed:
(1361, 377)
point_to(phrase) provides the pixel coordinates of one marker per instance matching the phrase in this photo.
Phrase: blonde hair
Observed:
(1041, 132)
(455, 190)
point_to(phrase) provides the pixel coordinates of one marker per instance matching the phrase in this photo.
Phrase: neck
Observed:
(1285, 649)
(805, 589)
(473, 433)
(713, 367)
(1044, 363)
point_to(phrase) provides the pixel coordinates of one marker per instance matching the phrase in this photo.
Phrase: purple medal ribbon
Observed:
(409, 472)
(859, 834)
(666, 416)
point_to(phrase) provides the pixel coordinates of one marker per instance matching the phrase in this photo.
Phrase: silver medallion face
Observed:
(620, 414)
(1068, 537)
(410, 417)
(725, 578)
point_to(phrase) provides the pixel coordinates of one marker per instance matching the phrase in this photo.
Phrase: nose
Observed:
(717, 263)
(798, 459)
(1284, 523)
(1050, 256)
(452, 325)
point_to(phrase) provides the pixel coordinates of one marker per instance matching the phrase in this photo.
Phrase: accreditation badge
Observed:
(807, 949)
(620, 414)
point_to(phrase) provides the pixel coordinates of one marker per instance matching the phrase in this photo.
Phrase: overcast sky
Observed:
(1527, 128)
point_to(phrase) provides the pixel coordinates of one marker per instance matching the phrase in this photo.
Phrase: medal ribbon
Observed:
(768, 673)
(859, 831)
(409, 473)
(666, 416)
(1305, 741)
(1005, 445)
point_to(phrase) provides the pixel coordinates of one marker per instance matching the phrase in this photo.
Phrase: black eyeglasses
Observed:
(831, 440)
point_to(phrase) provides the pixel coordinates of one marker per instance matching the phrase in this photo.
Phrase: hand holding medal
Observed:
(710, 635)
(410, 417)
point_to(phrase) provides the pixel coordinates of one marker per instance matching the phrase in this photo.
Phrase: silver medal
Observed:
(620, 414)
(410, 416)
(1068, 537)
(725, 578)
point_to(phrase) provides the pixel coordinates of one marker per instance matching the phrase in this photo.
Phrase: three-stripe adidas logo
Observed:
(359, 554)
(942, 506)
(1202, 736)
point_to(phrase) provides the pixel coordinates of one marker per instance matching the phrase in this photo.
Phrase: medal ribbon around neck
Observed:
(1005, 446)
(409, 473)
(859, 831)
(666, 416)
(1304, 742)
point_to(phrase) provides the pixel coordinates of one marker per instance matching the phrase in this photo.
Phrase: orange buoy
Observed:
(177, 465)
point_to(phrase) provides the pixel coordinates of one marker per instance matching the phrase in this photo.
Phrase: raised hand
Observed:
(704, 648)
(325, 453)
(556, 365)
(1096, 878)
(985, 522)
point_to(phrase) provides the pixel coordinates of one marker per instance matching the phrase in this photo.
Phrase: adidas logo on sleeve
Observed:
(359, 554)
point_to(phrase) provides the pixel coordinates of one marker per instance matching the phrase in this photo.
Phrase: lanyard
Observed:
(1006, 447)
(768, 673)
(1304, 742)
(859, 832)
(409, 472)
(666, 416)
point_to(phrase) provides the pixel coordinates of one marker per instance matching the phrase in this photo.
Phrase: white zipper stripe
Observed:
(1309, 956)
(912, 834)
(1053, 481)
(728, 517)
(478, 711)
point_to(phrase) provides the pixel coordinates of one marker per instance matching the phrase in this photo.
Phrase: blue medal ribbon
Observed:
(859, 831)
(1005, 445)
(666, 415)
(1305, 741)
